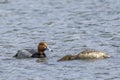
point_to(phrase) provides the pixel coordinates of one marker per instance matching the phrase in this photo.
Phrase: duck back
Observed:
(25, 53)
(92, 54)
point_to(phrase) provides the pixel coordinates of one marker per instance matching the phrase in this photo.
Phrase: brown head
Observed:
(42, 46)
(67, 58)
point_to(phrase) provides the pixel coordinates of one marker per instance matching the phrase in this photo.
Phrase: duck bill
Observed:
(48, 49)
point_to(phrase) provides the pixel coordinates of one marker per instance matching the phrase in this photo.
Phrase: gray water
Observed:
(68, 26)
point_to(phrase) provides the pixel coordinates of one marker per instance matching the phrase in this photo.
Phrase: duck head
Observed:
(67, 58)
(42, 46)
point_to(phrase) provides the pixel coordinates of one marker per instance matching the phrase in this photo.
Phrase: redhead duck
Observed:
(32, 53)
(87, 54)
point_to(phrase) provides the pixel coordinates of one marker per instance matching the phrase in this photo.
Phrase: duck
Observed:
(33, 53)
(86, 55)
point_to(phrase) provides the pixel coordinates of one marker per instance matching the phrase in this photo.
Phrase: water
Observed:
(68, 26)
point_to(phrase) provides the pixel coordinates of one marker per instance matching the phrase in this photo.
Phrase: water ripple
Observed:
(69, 26)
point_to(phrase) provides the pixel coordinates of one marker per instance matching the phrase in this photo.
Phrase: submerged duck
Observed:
(32, 53)
(87, 54)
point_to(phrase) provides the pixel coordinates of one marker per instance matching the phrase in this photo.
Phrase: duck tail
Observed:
(15, 55)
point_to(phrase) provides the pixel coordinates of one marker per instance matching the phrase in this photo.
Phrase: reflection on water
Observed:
(68, 26)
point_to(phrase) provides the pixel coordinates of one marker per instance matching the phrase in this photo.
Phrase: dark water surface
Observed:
(68, 26)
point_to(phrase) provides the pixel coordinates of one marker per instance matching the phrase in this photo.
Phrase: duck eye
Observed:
(45, 48)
